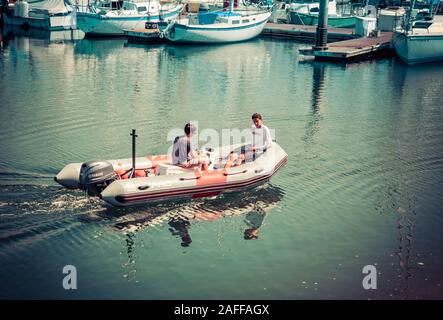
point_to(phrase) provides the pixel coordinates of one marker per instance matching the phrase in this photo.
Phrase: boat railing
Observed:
(217, 7)
(88, 8)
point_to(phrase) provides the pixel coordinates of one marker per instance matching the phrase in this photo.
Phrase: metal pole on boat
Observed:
(231, 5)
(134, 136)
(322, 27)
(431, 8)
(409, 17)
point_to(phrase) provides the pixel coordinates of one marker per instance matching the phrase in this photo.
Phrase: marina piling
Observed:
(322, 27)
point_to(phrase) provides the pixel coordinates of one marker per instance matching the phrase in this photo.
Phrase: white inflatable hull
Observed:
(188, 183)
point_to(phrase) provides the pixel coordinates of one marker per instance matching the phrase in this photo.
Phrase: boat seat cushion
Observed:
(167, 169)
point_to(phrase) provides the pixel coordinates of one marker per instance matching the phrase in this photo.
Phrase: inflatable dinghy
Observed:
(151, 179)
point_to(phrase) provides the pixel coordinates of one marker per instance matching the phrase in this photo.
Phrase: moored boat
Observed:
(423, 43)
(419, 41)
(50, 15)
(112, 17)
(306, 12)
(216, 27)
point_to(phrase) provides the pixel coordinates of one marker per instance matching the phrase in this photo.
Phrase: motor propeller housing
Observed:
(96, 175)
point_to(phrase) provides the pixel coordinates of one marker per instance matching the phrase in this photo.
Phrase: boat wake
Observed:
(22, 199)
(35, 213)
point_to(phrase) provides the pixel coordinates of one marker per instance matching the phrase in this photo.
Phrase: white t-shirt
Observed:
(180, 150)
(261, 138)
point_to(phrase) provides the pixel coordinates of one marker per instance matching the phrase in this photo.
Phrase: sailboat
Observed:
(112, 17)
(421, 41)
(216, 26)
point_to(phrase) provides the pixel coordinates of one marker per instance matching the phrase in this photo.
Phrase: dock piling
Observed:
(322, 27)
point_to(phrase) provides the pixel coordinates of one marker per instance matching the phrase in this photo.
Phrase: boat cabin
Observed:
(141, 7)
(311, 6)
(226, 17)
(129, 6)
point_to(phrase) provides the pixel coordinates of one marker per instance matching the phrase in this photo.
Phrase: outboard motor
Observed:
(96, 175)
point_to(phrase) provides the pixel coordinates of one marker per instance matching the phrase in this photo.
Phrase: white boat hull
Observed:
(216, 33)
(184, 183)
(50, 22)
(421, 48)
(98, 24)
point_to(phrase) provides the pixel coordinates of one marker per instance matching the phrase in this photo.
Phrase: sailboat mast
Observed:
(409, 17)
(431, 7)
(231, 5)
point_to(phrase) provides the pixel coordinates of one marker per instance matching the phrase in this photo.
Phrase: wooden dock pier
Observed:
(304, 32)
(354, 49)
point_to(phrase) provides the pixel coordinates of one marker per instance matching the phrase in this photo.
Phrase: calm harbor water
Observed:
(363, 185)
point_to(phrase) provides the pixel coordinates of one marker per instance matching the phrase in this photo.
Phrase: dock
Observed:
(304, 32)
(343, 44)
(354, 49)
(144, 36)
(280, 30)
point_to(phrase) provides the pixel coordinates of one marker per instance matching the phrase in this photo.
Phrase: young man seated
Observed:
(261, 141)
(182, 153)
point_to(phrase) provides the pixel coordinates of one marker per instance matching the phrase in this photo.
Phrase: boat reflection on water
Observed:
(180, 227)
(318, 86)
(180, 215)
(317, 104)
(254, 220)
(253, 205)
(9, 32)
(238, 51)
